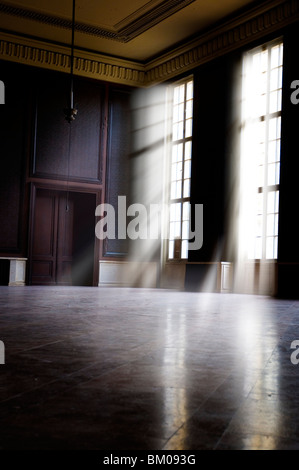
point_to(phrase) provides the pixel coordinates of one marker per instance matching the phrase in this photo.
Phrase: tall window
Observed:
(261, 125)
(180, 168)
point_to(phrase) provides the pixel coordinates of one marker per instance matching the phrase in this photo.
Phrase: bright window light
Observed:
(180, 168)
(261, 134)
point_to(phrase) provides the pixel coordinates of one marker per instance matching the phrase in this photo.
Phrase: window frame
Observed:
(263, 187)
(171, 143)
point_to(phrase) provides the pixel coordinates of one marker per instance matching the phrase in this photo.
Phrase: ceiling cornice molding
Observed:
(124, 31)
(245, 29)
(253, 25)
(54, 57)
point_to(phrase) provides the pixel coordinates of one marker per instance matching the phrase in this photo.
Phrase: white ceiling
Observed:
(138, 30)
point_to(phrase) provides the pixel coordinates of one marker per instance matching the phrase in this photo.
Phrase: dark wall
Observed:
(118, 151)
(212, 84)
(14, 116)
(38, 145)
(288, 249)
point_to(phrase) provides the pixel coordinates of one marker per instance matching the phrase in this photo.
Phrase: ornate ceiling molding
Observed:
(124, 31)
(44, 55)
(257, 23)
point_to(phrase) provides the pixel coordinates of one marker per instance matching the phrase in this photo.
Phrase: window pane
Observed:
(270, 248)
(187, 169)
(271, 225)
(190, 90)
(272, 151)
(275, 56)
(175, 131)
(274, 101)
(178, 113)
(189, 109)
(274, 80)
(184, 252)
(177, 153)
(186, 211)
(188, 132)
(273, 129)
(185, 231)
(179, 93)
(186, 188)
(177, 229)
(178, 131)
(171, 249)
(271, 174)
(176, 95)
(271, 202)
(188, 149)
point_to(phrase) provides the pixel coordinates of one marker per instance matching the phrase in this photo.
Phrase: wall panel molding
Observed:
(255, 24)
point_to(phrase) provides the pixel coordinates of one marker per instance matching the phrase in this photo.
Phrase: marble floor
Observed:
(128, 369)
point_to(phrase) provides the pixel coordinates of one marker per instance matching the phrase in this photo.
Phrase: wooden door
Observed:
(64, 255)
(61, 222)
(44, 239)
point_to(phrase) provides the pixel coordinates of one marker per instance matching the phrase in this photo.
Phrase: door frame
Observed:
(62, 187)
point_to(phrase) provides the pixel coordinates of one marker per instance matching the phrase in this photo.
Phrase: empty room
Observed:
(149, 258)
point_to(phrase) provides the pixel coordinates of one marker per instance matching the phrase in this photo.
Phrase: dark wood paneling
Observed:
(288, 251)
(117, 173)
(13, 117)
(83, 239)
(4, 272)
(44, 243)
(63, 150)
(65, 239)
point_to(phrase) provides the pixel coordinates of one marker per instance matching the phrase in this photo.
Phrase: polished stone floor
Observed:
(124, 369)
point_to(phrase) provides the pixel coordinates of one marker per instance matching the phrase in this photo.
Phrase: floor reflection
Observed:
(138, 369)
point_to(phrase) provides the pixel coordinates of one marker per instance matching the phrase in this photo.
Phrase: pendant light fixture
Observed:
(71, 111)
